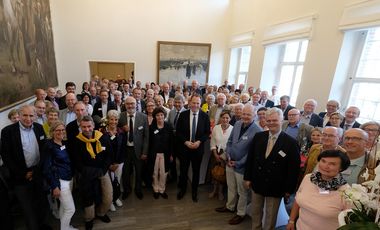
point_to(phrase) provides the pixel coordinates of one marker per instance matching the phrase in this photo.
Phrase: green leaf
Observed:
(360, 226)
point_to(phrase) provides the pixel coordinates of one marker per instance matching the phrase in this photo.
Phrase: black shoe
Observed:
(139, 195)
(89, 225)
(180, 195)
(164, 195)
(104, 218)
(156, 195)
(194, 197)
(223, 209)
(125, 195)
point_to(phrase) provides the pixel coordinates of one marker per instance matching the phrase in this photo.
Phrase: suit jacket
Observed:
(276, 175)
(183, 129)
(171, 94)
(172, 114)
(285, 112)
(143, 106)
(140, 132)
(213, 109)
(63, 115)
(315, 120)
(13, 154)
(98, 109)
(355, 125)
(304, 131)
(269, 104)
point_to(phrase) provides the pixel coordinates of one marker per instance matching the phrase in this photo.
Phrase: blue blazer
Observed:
(238, 148)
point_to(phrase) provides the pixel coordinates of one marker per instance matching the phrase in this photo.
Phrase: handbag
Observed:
(219, 173)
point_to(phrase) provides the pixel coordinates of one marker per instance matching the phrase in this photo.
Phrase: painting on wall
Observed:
(179, 61)
(27, 59)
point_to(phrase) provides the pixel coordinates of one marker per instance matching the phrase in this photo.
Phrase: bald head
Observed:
(355, 142)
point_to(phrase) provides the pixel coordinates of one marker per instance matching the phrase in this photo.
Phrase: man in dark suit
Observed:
(140, 104)
(72, 129)
(350, 116)
(94, 96)
(272, 169)
(193, 129)
(70, 88)
(332, 106)
(135, 124)
(102, 107)
(264, 101)
(166, 93)
(308, 116)
(194, 88)
(284, 106)
(21, 144)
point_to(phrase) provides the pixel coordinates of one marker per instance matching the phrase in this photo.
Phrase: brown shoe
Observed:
(236, 220)
(223, 209)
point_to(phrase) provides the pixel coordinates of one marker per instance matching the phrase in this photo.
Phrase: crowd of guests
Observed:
(97, 141)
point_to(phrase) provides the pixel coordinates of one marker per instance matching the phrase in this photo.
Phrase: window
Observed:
(364, 84)
(239, 65)
(291, 59)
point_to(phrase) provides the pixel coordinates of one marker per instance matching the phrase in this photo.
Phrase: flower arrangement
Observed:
(365, 202)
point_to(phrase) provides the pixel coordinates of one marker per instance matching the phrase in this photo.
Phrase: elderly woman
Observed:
(219, 138)
(372, 128)
(161, 140)
(118, 142)
(118, 101)
(319, 198)
(57, 169)
(210, 101)
(237, 113)
(331, 137)
(52, 115)
(334, 120)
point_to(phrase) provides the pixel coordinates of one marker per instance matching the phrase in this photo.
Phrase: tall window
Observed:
(291, 60)
(365, 80)
(239, 65)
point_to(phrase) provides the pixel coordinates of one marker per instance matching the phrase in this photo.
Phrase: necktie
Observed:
(271, 142)
(176, 119)
(130, 137)
(138, 106)
(346, 127)
(193, 128)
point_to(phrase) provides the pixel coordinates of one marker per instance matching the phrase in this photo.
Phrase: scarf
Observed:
(332, 185)
(88, 142)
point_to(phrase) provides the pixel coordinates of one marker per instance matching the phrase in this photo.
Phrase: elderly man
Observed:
(40, 111)
(135, 124)
(294, 128)
(91, 155)
(159, 100)
(272, 170)
(72, 129)
(237, 111)
(102, 107)
(355, 141)
(216, 109)
(308, 116)
(264, 101)
(195, 88)
(350, 116)
(67, 114)
(284, 105)
(332, 106)
(140, 104)
(166, 93)
(237, 150)
(51, 96)
(21, 145)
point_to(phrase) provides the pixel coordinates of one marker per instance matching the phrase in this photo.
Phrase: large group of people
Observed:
(114, 133)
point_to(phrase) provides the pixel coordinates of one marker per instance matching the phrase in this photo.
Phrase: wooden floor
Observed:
(168, 214)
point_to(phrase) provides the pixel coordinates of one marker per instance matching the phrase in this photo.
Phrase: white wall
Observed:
(323, 50)
(128, 30)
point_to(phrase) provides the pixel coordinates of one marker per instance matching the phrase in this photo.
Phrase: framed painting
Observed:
(179, 61)
(27, 59)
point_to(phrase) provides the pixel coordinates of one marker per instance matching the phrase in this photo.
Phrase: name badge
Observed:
(140, 128)
(42, 137)
(63, 147)
(244, 138)
(112, 137)
(323, 192)
(99, 109)
(282, 153)
(103, 148)
(155, 131)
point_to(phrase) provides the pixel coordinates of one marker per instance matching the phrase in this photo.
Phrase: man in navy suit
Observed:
(193, 129)
(350, 116)
(272, 169)
(284, 106)
(264, 101)
(308, 116)
(166, 93)
(21, 144)
(102, 107)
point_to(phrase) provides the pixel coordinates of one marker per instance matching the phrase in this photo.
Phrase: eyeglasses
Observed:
(371, 130)
(59, 130)
(352, 138)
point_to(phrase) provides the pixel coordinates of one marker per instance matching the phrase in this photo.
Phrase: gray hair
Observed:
(117, 92)
(312, 101)
(113, 113)
(273, 110)
(179, 97)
